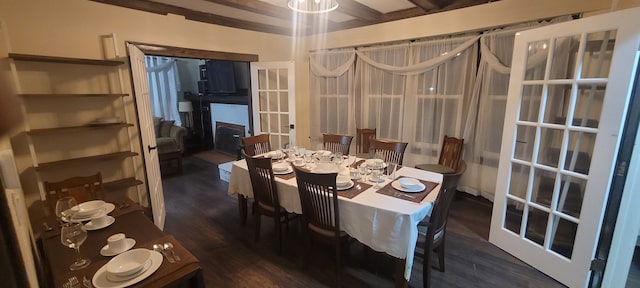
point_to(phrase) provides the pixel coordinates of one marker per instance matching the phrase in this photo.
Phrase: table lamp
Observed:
(185, 108)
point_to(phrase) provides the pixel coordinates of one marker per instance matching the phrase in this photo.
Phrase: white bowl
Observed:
(280, 167)
(90, 207)
(342, 180)
(409, 183)
(375, 163)
(128, 263)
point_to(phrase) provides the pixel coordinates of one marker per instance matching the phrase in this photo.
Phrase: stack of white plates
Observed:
(92, 209)
(127, 268)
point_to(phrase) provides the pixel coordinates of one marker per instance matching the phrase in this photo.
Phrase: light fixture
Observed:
(185, 108)
(313, 6)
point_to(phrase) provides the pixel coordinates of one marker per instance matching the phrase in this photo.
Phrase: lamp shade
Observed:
(185, 106)
(313, 6)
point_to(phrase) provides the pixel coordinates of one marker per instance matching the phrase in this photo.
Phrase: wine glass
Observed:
(73, 235)
(308, 158)
(337, 159)
(66, 208)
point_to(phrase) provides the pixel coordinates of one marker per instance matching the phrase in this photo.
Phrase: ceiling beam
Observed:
(257, 7)
(358, 10)
(427, 5)
(160, 8)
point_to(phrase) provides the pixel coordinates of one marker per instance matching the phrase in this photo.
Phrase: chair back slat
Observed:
(451, 152)
(391, 151)
(263, 182)
(256, 145)
(363, 139)
(337, 143)
(82, 188)
(319, 200)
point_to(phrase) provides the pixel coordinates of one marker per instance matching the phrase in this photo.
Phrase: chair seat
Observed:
(437, 168)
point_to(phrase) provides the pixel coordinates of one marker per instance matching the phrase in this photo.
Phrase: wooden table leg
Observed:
(401, 265)
(242, 208)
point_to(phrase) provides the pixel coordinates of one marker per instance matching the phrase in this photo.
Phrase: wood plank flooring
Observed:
(205, 220)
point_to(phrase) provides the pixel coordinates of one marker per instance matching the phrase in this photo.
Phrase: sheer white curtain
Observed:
(417, 92)
(164, 84)
(483, 131)
(332, 101)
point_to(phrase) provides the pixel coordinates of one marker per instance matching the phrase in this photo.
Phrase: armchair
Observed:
(169, 137)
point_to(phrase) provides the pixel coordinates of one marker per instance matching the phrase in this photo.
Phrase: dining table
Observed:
(380, 217)
(130, 220)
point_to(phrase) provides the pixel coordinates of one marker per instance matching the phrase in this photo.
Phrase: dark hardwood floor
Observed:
(205, 220)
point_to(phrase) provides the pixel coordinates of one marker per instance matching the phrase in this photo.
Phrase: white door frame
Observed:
(574, 272)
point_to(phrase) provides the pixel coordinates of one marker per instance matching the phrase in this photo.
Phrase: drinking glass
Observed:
(308, 158)
(376, 177)
(364, 171)
(66, 208)
(73, 235)
(391, 170)
(337, 159)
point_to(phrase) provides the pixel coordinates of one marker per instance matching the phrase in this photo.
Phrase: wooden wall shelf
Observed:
(122, 184)
(65, 60)
(46, 131)
(71, 95)
(81, 160)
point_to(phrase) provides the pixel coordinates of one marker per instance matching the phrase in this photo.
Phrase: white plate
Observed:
(105, 251)
(346, 187)
(115, 278)
(396, 184)
(91, 226)
(100, 278)
(106, 209)
(289, 170)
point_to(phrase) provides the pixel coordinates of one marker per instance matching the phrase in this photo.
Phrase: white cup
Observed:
(100, 221)
(298, 162)
(116, 242)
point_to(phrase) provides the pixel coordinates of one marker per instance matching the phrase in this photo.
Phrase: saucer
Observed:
(346, 187)
(100, 279)
(105, 251)
(380, 179)
(289, 170)
(106, 209)
(396, 184)
(91, 226)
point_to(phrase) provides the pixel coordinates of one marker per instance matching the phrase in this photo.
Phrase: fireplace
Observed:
(228, 137)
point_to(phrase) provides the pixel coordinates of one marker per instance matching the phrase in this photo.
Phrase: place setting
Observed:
(408, 188)
(349, 188)
(127, 268)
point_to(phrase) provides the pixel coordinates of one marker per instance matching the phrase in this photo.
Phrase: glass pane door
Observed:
(558, 150)
(274, 101)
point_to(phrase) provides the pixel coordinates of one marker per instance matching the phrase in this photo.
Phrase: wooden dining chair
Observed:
(363, 138)
(436, 223)
(256, 145)
(321, 214)
(82, 188)
(392, 151)
(337, 143)
(450, 156)
(265, 193)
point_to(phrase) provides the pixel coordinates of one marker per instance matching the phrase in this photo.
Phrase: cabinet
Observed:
(75, 124)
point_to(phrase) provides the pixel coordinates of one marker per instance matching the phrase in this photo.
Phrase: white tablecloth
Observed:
(384, 223)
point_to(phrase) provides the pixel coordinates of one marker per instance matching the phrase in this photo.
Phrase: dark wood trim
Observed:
(72, 95)
(427, 5)
(172, 51)
(358, 10)
(164, 9)
(259, 7)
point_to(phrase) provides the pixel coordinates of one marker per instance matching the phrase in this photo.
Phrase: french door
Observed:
(147, 132)
(273, 101)
(568, 94)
